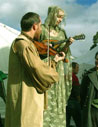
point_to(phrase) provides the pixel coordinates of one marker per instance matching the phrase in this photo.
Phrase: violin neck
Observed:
(59, 42)
(65, 48)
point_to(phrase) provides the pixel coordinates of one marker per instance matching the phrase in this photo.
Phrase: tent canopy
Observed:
(86, 61)
(88, 58)
(7, 35)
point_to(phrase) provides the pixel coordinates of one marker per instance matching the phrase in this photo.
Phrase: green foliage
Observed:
(95, 41)
(95, 38)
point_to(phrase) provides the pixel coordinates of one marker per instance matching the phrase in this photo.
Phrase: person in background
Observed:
(3, 76)
(58, 95)
(28, 77)
(73, 108)
(89, 96)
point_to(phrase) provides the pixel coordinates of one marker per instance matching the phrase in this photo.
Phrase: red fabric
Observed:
(75, 80)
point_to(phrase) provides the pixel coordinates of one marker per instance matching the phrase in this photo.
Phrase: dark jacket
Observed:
(88, 88)
(75, 92)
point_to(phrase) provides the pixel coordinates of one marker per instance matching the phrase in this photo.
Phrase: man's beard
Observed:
(37, 37)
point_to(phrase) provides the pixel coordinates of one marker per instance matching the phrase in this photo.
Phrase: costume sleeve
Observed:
(39, 72)
(2, 76)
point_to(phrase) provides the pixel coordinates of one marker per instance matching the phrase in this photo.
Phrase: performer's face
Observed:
(60, 17)
(96, 62)
(76, 69)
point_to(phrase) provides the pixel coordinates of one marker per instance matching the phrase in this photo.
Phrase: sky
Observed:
(82, 17)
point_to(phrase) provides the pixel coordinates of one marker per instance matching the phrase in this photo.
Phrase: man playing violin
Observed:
(58, 95)
(28, 77)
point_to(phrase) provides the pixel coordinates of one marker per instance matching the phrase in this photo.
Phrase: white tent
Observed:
(86, 61)
(7, 35)
(88, 58)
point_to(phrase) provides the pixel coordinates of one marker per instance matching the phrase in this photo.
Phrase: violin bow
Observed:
(48, 45)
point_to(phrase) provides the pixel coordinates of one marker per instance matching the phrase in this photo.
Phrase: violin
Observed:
(42, 49)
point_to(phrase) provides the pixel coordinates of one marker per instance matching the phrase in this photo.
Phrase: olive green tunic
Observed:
(55, 115)
(28, 78)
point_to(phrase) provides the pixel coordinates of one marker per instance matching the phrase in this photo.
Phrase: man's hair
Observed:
(28, 20)
(74, 64)
(96, 55)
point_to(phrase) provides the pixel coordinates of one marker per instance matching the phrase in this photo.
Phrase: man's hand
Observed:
(59, 57)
